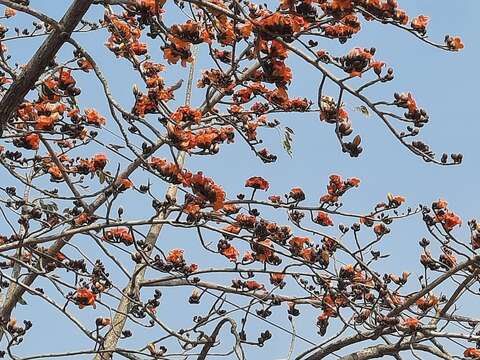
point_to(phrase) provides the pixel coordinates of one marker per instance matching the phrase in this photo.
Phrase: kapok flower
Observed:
(426, 303)
(277, 279)
(231, 253)
(420, 23)
(186, 114)
(175, 256)
(9, 12)
(411, 323)
(32, 141)
(323, 219)
(125, 184)
(55, 172)
(94, 118)
(253, 285)
(84, 297)
(99, 161)
(119, 234)
(45, 122)
(472, 353)
(297, 194)
(257, 182)
(454, 43)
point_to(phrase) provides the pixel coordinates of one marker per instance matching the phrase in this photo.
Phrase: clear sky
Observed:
(446, 84)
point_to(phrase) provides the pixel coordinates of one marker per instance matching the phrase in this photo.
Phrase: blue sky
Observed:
(443, 83)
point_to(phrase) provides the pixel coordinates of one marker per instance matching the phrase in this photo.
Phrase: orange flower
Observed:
(395, 200)
(253, 285)
(94, 118)
(248, 257)
(411, 323)
(232, 229)
(246, 30)
(125, 184)
(99, 161)
(206, 189)
(263, 250)
(426, 303)
(119, 234)
(83, 218)
(353, 182)
(309, 254)
(342, 5)
(377, 66)
(454, 43)
(85, 65)
(32, 141)
(323, 219)
(55, 172)
(257, 182)
(84, 297)
(191, 208)
(139, 48)
(230, 209)
(175, 256)
(380, 229)
(449, 220)
(187, 114)
(231, 253)
(66, 78)
(45, 122)
(9, 12)
(411, 103)
(420, 23)
(277, 278)
(299, 241)
(297, 194)
(472, 353)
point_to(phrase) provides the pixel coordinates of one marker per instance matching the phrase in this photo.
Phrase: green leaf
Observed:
(101, 177)
(287, 141)
(363, 109)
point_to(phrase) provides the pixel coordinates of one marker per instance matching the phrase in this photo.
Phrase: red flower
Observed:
(257, 182)
(253, 285)
(231, 253)
(299, 241)
(99, 161)
(277, 278)
(297, 194)
(32, 141)
(120, 235)
(84, 297)
(323, 219)
(420, 23)
(454, 43)
(187, 114)
(426, 303)
(94, 118)
(139, 48)
(125, 184)
(472, 353)
(175, 256)
(411, 323)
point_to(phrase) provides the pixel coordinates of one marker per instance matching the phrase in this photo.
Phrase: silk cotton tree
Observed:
(212, 74)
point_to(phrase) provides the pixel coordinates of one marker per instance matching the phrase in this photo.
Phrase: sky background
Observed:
(445, 84)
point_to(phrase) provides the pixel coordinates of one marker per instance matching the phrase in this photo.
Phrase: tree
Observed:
(70, 240)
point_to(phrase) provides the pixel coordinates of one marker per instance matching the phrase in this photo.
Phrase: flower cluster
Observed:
(119, 235)
(337, 187)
